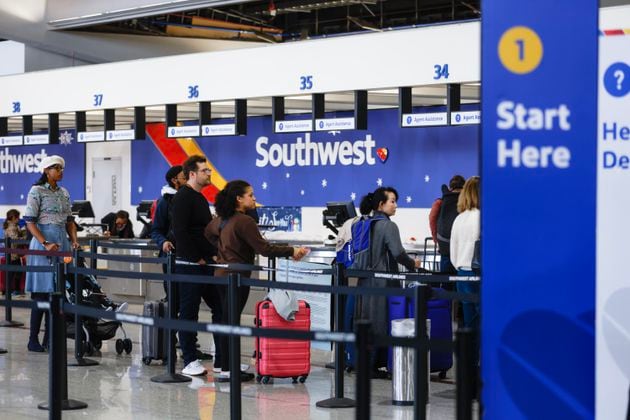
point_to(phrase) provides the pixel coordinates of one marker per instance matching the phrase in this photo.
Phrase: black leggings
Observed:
(36, 319)
(224, 339)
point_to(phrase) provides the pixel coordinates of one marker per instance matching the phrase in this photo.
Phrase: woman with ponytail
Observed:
(386, 253)
(237, 239)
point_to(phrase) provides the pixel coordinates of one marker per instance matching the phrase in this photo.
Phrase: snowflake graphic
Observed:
(140, 189)
(21, 196)
(379, 182)
(408, 199)
(65, 138)
(324, 183)
(353, 196)
(264, 185)
(427, 178)
(302, 192)
(288, 175)
(1, 187)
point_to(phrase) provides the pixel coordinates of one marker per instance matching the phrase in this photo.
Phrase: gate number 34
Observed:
(440, 71)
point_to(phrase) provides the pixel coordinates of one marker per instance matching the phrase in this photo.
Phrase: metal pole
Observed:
(78, 321)
(93, 249)
(338, 401)
(56, 392)
(169, 334)
(421, 389)
(235, 347)
(465, 372)
(58, 379)
(8, 288)
(363, 341)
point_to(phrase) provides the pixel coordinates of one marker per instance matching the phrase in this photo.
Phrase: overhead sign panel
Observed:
(539, 93)
(183, 131)
(329, 124)
(466, 118)
(293, 126)
(11, 141)
(33, 139)
(218, 130)
(90, 136)
(424, 119)
(116, 135)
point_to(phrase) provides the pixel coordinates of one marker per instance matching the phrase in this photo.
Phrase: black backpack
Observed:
(448, 213)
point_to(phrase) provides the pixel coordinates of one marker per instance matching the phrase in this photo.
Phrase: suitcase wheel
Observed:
(258, 378)
(265, 379)
(295, 379)
(303, 378)
(120, 347)
(127, 345)
(146, 360)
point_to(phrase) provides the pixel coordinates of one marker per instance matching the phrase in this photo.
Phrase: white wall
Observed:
(13, 58)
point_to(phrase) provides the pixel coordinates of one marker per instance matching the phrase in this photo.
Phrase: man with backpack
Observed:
(446, 217)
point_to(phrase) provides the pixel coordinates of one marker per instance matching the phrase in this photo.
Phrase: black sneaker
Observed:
(203, 356)
(225, 377)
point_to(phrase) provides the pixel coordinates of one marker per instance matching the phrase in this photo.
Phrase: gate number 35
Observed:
(306, 82)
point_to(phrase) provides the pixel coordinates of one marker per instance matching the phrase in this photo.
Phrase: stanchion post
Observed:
(8, 311)
(235, 347)
(78, 321)
(93, 249)
(338, 401)
(421, 389)
(169, 334)
(363, 341)
(58, 379)
(465, 373)
(271, 263)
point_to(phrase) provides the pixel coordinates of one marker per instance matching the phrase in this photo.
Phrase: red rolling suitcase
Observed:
(278, 357)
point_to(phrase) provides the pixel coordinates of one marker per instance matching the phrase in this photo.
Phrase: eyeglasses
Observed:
(56, 167)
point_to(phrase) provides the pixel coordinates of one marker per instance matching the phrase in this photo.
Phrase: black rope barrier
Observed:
(108, 243)
(363, 336)
(125, 258)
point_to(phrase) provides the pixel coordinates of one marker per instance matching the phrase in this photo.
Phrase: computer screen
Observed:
(338, 212)
(82, 208)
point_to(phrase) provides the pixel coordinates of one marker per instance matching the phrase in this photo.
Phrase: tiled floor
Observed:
(120, 387)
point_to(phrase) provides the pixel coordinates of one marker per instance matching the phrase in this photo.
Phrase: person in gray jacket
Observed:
(386, 253)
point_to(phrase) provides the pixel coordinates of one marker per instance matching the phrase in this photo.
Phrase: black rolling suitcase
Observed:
(153, 339)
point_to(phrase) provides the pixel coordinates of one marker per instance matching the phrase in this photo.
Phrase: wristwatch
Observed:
(45, 243)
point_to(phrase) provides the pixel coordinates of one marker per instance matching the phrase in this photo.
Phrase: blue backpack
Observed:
(356, 252)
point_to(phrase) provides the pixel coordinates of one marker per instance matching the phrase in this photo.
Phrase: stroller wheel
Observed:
(146, 360)
(127, 345)
(119, 346)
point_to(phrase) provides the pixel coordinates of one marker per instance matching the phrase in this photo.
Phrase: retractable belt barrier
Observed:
(420, 293)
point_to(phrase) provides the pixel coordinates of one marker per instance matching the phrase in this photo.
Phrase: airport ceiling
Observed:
(284, 20)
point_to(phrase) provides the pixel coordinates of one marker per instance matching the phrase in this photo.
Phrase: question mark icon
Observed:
(614, 79)
(618, 74)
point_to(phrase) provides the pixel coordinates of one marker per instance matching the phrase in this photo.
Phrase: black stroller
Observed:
(95, 330)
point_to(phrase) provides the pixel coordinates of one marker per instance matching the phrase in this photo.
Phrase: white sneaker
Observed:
(218, 369)
(122, 307)
(194, 368)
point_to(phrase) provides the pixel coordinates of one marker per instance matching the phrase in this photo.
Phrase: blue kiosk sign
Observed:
(539, 90)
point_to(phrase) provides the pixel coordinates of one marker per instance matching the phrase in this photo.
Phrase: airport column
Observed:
(539, 89)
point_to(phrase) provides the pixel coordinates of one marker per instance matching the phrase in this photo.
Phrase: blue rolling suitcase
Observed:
(439, 312)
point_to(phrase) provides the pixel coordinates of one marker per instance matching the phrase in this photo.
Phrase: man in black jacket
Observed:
(162, 234)
(190, 216)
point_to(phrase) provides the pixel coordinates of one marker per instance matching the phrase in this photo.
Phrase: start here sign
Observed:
(538, 183)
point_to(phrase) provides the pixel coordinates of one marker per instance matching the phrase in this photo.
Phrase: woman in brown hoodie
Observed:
(237, 239)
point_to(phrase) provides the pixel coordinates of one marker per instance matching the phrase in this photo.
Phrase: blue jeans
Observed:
(471, 310)
(189, 300)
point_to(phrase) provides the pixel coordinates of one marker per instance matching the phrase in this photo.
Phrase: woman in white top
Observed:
(464, 234)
